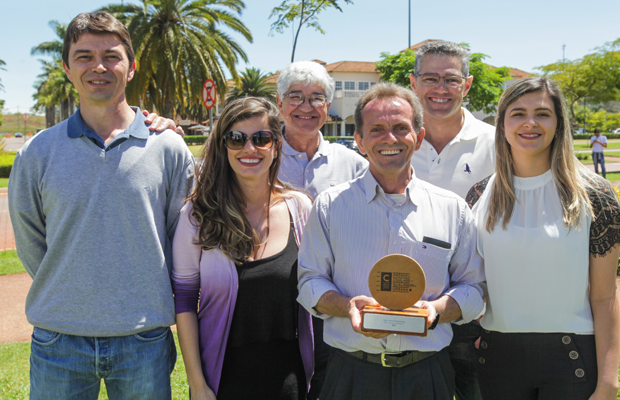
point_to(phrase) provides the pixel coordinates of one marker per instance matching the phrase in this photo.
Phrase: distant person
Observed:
(457, 152)
(549, 233)
(388, 211)
(598, 144)
(94, 203)
(242, 333)
(309, 162)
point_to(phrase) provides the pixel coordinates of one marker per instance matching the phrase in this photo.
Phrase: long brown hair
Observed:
(219, 204)
(569, 175)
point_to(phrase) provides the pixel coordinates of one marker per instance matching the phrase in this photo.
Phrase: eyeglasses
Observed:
(236, 140)
(297, 98)
(452, 81)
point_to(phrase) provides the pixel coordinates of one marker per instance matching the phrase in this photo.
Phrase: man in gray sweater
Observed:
(94, 203)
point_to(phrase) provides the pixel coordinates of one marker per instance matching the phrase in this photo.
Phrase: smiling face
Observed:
(440, 101)
(530, 125)
(99, 69)
(251, 163)
(389, 138)
(304, 119)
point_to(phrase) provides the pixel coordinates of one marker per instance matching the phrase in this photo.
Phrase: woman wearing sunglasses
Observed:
(548, 230)
(241, 331)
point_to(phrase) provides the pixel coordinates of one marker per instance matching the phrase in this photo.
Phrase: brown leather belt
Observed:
(397, 360)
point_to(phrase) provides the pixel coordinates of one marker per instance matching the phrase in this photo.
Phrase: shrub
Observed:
(195, 139)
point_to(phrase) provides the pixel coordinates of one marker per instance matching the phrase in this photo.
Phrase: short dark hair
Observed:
(385, 90)
(597, 130)
(97, 23)
(443, 48)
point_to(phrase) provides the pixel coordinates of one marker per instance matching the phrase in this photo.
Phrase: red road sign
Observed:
(25, 117)
(208, 93)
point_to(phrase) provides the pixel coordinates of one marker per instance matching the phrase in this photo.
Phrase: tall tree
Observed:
(595, 77)
(53, 86)
(485, 91)
(302, 12)
(253, 83)
(2, 63)
(178, 44)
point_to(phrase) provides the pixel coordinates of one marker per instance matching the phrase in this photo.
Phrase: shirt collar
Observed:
(138, 129)
(372, 189)
(323, 149)
(468, 131)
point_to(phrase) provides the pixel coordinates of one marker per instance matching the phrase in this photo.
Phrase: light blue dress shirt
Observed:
(354, 224)
(331, 165)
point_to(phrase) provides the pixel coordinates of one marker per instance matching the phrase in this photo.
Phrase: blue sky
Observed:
(522, 34)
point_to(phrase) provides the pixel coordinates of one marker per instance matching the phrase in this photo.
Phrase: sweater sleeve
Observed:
(26, 211)
(186, 263)
(181, 184)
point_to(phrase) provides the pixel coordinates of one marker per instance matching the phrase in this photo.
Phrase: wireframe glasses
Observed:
(297, 98)
(236, 140)
(452, 81)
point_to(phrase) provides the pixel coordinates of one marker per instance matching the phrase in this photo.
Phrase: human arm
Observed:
(606, 316)
(160, 124)
(181, 183)
(26, 211)
(187, 328)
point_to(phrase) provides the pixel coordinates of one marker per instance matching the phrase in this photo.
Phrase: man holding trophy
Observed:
(387, 211)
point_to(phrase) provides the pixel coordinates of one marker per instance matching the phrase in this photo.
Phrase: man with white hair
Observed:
(310, 162)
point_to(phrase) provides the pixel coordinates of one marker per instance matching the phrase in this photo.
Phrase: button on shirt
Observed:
(331, 165)
(465, 161)
(355, 224)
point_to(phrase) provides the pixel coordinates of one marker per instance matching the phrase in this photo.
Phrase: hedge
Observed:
(589, 135)
(195, 139)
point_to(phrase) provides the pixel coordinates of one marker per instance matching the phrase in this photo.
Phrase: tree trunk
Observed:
(64, 109)
(50, 116)
(71, 105)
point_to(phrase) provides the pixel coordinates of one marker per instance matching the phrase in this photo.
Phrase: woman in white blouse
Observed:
(548, 230)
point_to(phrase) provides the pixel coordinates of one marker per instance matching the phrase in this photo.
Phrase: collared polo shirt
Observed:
(331, 165)
(465, 161)
(353, 225)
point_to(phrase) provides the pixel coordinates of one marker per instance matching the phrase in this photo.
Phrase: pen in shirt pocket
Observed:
(436, 242)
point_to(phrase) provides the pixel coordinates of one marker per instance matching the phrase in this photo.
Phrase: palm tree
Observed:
(178, 44)
(253, 83)
(53, 86)
(4, 69)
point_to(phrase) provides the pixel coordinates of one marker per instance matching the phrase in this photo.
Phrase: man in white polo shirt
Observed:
(457, 152)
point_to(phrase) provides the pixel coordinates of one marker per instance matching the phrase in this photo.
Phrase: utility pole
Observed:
(563, 48)
(409, 24)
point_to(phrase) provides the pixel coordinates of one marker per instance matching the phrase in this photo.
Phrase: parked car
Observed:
(617, 130)
(18, 134)
(350, 143)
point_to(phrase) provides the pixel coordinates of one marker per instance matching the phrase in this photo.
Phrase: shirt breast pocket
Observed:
(435, 262)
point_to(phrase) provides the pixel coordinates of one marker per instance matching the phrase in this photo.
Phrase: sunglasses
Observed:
(236, 140)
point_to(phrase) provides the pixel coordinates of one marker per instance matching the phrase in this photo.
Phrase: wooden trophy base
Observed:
(410, 321)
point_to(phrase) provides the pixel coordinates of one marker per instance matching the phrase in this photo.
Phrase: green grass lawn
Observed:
(15, 375)
(4, 182)
(196, 150)
(9, 263)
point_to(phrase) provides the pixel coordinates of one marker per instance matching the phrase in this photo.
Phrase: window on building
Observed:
(338, 85)
(349, 85)
(362, 85)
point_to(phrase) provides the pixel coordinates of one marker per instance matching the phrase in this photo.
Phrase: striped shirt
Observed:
(331, 165)
(355, 224)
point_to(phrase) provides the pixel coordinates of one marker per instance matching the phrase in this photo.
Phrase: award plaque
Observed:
(397, 282)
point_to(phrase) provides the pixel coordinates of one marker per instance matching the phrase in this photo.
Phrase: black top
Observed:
(605, 227)
(266, 307)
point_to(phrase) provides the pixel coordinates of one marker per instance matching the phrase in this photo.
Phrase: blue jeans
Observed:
(599, 158)
(133, 367)
(464, 358)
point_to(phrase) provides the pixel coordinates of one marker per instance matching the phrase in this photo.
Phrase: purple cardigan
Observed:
(207, 281)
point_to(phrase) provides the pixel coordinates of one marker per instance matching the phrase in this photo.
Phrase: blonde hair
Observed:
(219, 204)
(571, 177)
